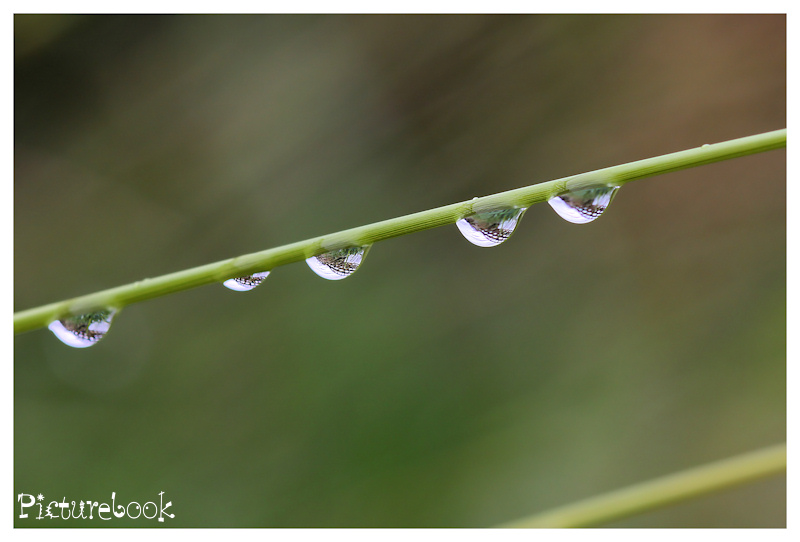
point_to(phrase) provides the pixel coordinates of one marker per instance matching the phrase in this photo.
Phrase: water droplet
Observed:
(490, 228)
(84, 330)
(706, 145)
(246, 283)
(337, 264)
(583, 206)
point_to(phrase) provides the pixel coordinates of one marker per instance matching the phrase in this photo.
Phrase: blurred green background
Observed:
(443, 385)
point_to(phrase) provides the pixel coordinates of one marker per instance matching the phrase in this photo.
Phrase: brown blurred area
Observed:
(443, 385)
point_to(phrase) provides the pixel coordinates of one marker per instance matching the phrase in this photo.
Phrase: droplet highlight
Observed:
(84, 330)
(490, 228)
(337, 264)
(583, 206)
(246, 283)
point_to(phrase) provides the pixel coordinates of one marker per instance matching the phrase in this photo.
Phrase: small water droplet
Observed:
(490, 228)
(706, 145)
(84, 330)
(246, 283)
(583, 206)
(337, 264)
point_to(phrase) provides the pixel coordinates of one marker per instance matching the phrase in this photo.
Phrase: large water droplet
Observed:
(337, 264)
(84, 330)
(246, 283)
(583, 206)
(490, 228)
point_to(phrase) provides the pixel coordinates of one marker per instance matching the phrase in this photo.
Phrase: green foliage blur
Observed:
(442, 385)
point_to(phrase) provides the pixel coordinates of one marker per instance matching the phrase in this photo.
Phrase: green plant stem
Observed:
(661, 491)
(150, 288)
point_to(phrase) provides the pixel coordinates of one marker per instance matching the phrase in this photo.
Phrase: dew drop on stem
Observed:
(84, 330)
(246, 283)
(337, 264)
(490, 228)
(583, 206)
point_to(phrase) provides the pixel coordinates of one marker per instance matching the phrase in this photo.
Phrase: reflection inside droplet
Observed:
(583, 206)
(84, 330)
(490, 228)
(246, 283)
(337, 264)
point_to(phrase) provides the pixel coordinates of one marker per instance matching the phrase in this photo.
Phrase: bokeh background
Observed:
(443, 384)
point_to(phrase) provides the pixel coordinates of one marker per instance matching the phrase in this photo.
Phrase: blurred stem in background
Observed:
(119, 297)
(662, 491)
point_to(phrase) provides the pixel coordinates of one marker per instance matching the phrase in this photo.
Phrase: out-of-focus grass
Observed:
(430, 389)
